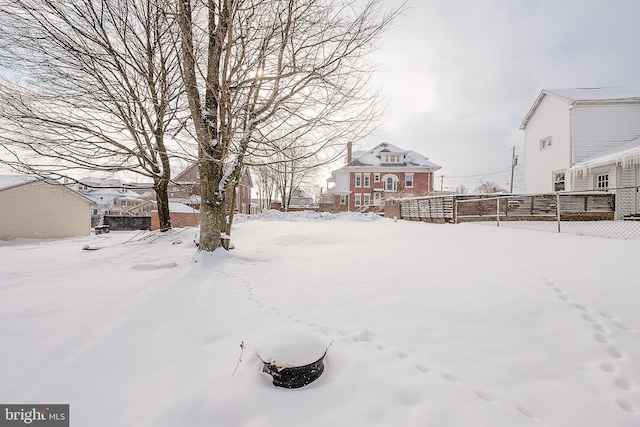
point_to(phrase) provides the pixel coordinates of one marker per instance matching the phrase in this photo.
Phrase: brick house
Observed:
(185, 188)
(382, 172)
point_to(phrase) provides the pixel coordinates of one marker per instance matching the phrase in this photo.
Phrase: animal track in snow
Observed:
(365, 336)
(625, 405)
(623, 383)
(602, 335)
(450, 377)
(607, 367)
(483, 395)
(615, 352)
(601, 338)
(422, 368)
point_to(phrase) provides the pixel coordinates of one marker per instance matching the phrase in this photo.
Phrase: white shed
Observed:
(37, 209)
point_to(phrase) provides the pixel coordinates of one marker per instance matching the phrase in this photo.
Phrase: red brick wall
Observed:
(178, 219)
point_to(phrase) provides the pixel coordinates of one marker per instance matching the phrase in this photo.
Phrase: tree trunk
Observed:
(162, 200)
(227, 230)
(212, 208)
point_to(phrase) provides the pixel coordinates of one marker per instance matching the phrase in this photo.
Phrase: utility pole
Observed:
(514, 161)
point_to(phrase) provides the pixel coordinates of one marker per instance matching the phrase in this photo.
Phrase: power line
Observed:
(478, 175)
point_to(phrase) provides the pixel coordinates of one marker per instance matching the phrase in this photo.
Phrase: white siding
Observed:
(342, 182)
(598, 128)
(40, 211)
(551, 119)
(626, 196)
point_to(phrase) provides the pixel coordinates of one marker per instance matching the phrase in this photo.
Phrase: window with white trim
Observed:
(408, 180)
(544, 143)
(376, 177)
(358, 179)
(558, 181)
(343, 200)
(602, 181)
(390, 184)
(358, 200)
(367, 199)
(367, 180)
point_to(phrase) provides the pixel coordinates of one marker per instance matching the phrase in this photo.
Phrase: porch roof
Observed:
(626, 155)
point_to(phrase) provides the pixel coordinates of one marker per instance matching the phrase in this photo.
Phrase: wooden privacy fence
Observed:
(457, 208)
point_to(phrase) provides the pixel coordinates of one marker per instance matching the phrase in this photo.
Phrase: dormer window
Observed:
(393, 158)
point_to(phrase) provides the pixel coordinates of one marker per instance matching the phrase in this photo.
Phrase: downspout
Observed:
(571, 154)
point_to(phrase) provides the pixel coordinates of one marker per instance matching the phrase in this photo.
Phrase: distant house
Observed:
(583, 139)
(382, 172)
(185, 189)
(300, 199)
(38, 209)
(110, 197)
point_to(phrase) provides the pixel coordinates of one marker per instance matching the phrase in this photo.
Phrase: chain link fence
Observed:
(614, 213)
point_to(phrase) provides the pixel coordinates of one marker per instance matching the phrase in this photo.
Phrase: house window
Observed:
(544, 143)
(367, 180)
(376, 177)
(343, 200)
(358, 200)
(367, 199)
(602, 181)
(558, 181)
(390, 184)
(358, 180)
(408, 180)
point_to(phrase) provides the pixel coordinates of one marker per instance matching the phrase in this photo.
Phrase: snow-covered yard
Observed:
(439, 325)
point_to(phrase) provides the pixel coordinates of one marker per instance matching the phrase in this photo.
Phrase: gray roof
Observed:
(372, 157)
(11, 181)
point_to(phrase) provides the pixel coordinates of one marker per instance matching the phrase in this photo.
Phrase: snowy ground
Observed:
(438, 325)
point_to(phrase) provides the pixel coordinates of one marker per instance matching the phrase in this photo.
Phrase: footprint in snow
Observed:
(623, 383)
(625, 405)
(607, 367)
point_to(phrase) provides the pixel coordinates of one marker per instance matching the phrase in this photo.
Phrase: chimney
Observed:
(349, 152)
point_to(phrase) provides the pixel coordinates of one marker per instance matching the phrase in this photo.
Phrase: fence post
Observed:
(497, 212)
(455, 210)
(558, 210)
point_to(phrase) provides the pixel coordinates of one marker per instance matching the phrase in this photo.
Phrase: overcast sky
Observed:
(459, 76)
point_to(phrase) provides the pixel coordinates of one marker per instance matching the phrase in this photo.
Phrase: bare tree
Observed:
(97, 87)
(462, 189)
(257, 71)
(265, 181)
(488, 187)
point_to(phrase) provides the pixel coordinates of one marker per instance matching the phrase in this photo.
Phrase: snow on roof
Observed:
(10, 181)
(587, 95)
(627, 155)
(372, 157)
(181, 207)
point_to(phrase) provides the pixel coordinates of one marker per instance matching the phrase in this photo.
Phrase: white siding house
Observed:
(582, 139)
(32, 208)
